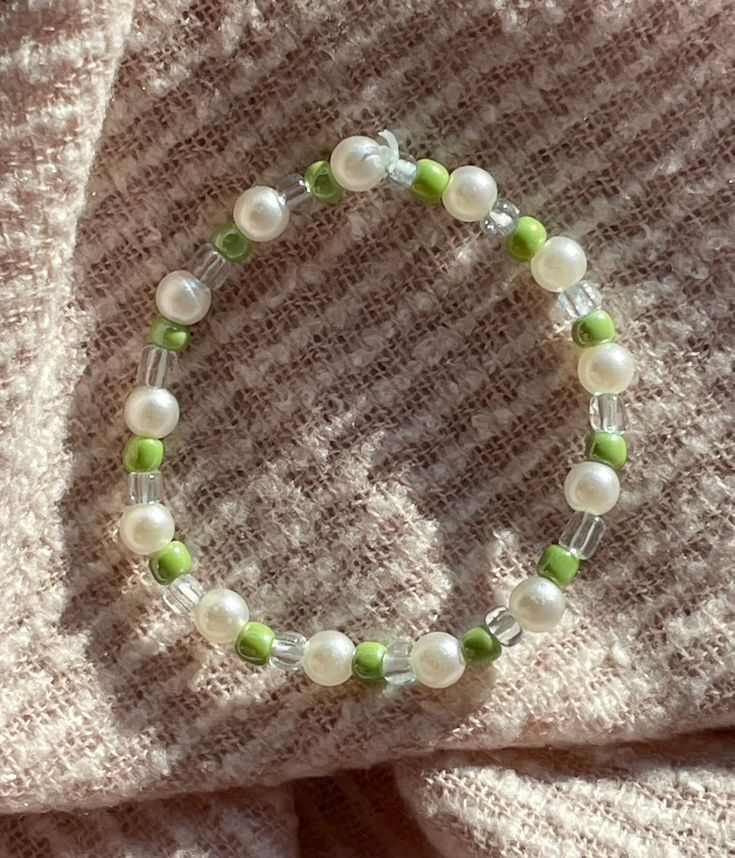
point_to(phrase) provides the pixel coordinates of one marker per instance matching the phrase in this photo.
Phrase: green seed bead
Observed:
(608, 447)
(594, 329)
(170, 563)
(431, 179)
(169, 335)
(526, 239)
(321, 184)
(254, 643)
(558, 564)
(480, 646)
(142, 454)
(231, 243)
(367, 663)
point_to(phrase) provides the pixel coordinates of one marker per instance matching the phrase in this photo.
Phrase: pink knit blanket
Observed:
(378, 415)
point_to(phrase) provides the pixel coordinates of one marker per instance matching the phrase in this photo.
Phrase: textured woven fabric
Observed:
(377, 419)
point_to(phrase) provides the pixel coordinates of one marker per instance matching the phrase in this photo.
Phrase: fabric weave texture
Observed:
(378, 416)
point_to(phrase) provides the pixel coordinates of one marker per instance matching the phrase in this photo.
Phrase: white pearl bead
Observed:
(146, 527)
(151, 411)
(537, 604)
(592, 487)
(328, 658)
(607, 368)
(220, 614)
(437, 660)
(470, 193)
(182, 298)
(260, 213)
(356, 163)
(558, 264)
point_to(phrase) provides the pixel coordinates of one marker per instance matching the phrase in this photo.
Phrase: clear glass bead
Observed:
(209, 266)
(607, 413)
(579, 300)
(400, 167)
(397, 668)
(503, 625)
(145, 487)
(292, 190)
(583, 534)
(182, 595)
(501, 220)
(287, 651)
(154, 366)
(403, 172)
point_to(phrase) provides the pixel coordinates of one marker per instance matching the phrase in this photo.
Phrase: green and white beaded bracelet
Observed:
(558, 264)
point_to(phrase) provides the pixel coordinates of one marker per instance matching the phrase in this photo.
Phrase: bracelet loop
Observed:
(592, 487)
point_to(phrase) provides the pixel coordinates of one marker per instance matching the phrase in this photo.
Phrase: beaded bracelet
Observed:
(591, 488)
